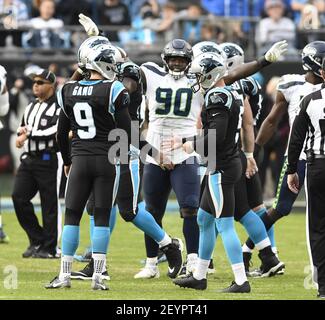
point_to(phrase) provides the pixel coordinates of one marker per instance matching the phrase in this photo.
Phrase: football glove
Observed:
(89, 25)
(276, 51)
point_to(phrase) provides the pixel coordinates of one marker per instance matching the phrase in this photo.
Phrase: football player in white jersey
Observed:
(4, 108)
(291, 89)
(173, 110)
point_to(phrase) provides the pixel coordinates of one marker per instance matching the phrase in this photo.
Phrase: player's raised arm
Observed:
(248, 69)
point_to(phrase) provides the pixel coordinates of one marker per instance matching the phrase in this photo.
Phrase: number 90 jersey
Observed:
(174, 109)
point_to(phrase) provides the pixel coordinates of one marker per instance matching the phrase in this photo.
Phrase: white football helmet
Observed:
(124, 55)
(104, 59)
(3, 78)
(208, 68)
(207, 46)
(234, 54)
(87, 46)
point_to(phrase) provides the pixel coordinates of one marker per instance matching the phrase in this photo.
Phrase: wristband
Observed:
(263, 62)
(249, 155)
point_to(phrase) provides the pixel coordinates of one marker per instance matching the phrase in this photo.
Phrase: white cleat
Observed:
(98, 283)
(56, 283)
(148, 272)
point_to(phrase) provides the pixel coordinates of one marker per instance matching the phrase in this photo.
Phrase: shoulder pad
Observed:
(290, 80)
(220, 97)
(251, 86)
(153, 67)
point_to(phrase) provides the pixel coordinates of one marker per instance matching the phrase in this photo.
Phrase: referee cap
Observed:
(44, 74)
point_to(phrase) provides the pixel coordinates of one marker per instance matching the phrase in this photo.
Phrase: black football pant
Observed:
(315, 183)
(90, 174)
(36, 174)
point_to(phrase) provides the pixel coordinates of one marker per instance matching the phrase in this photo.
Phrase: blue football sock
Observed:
(70, 240)
(230, 239)
(112, 219)
(254, 226)
(261, 212)
(100, 239)
(112, 222)
(146, 222)
(207, 240)
(191, 234)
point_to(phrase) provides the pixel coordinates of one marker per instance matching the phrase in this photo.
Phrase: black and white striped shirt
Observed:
(42, 119)
(310, 123)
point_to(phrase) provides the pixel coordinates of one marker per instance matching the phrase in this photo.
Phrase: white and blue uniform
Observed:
(173, 111)
(294, 88)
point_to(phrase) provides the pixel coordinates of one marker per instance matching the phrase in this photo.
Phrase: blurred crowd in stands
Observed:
(49, 23)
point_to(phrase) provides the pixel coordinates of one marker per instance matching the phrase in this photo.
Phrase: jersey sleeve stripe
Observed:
(154, 69)
(60, 100)
(285, 86)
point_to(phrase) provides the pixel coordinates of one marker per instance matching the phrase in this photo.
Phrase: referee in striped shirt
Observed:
(39, 168)
(309, 126)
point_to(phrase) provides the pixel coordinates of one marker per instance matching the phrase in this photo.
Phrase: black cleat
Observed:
(173, 252)
(87, 272)
(3, 237)
(235, 288)
(31, 250)
(247, 256)
(271, 265)
(42, 254)
(189, 281)
(321, 295)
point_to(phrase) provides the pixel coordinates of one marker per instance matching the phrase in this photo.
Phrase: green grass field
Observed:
(126, 251)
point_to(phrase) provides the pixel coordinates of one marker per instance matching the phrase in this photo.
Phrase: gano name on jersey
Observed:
(294, 88)
(174, 108)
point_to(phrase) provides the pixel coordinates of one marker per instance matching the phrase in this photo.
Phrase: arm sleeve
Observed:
(63, 138)
(297, 137)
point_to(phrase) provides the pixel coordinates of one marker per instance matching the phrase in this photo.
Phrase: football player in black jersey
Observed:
(91, 109)
(221, 116)
(252, 89)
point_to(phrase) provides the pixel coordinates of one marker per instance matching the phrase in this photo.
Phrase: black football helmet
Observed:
(312, 56)
(177, 48)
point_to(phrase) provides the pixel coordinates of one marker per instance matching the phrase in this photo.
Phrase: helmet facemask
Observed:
(177, 48)
(177, 70)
